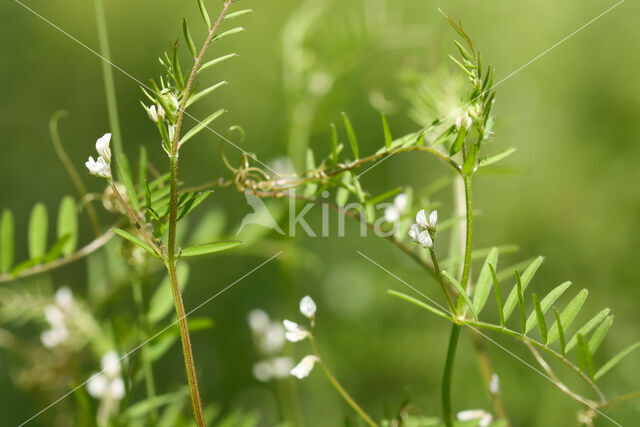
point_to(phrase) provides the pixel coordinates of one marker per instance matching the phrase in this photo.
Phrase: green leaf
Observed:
(569, 314)
(387, 132)
(615, 360)
(228, 33)
(483, 285)
(6, 241)
(342, 193)
(209, 248)
(419, 303)
(523, 314)
(547, 302)
(142, 167)
(334, 143)
(351, 135)
(56, 249)
(188, 39)
(584, 357)
(488, 160)
(584, 330)
(143, 408)
(193, 203)
(542, 325)
(68, 224)
(198, 96)
(560, 329)
(133, 239)
(310, 165)
(161, 302)
(599, 334)
(200, 126)
(124, 172)
(238, 14)
(470, 162)
(461, 291)
(203, 12)
(496, 289)
(526, 277)
(216, 61)
(38, 224)
(457, 144)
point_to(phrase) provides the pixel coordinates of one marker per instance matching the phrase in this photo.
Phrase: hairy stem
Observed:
(436, 267)
(173, 220)
(447, 410)
(347, 397)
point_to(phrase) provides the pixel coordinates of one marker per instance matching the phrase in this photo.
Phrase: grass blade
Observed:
(38, 225)
(6, 241)
(542, 325)
(387, 132)
(133, 239)
(68, 225)
(420, 304)
(584, 330)
(483, 285)
(526, 277)
(615, 360)
(202, 125)
(569, 314)
(547, 302)
(523, 313)
(209, 248)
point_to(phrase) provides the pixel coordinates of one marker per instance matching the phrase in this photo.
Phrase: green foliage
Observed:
(209, 248)
(38, 226)
(68, 225)
(6, 241)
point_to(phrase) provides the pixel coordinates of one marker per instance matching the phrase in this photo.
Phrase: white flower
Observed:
(424, 238)
(64, 298)
(308, 307)
(475, 414)
(111, 364)
(463, 120)
(393, 213)
(485, 420)
(153, 114)
(262, 371)
(494, 384)
(294, 332)
(276, 368)
(400, 201)
(432, 222)
(97, 385)
(161, 112)
(102, 147)
(54, 316)
(54, 336)
(258, 321)
(272, 338)
(303, 369)
(421, 219)
(98, 168)
(414, 231)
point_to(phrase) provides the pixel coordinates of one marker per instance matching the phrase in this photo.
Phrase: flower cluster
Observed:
(107, 385)
(295, 333)
(55, 316)
(422, 231)
(102, 166)
(394, 212)
(269, 338)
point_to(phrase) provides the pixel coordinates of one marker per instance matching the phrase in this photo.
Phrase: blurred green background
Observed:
(572, 195)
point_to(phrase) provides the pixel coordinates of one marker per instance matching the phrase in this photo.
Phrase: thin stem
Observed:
(466, 269)
(109, 85)
(341, 389)
(447, 410)
(71, 170)
(436, 267)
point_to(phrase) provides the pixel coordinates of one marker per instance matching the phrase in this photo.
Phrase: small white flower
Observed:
(494, 384)
(421, 219)
(303, 369)
(263, 371)
(463, 120)
(54, 316)
(102, 147)
(400, 201)
(485, 420)
(432, 222)
(471, 414)
(97, 385)
(272, 338)
(308, 307)
(153, 114)
(54, 336)
(281, 366)
(98, 168)
(424, 238)
(161, 113)
(391, 214)
(294, 332)
(64, 298)
(258, 321)
(116, 388)
(414, 231)
(111, 364)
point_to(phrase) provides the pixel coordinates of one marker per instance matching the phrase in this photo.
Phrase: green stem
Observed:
(109, 85)
(447, 410)
(436, 267)
(466, 269)
(347, 397)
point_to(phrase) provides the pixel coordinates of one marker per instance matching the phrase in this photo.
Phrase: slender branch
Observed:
(443, 284)
(71, 170)
(339, 387)
(79, 254)
(447, 410)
